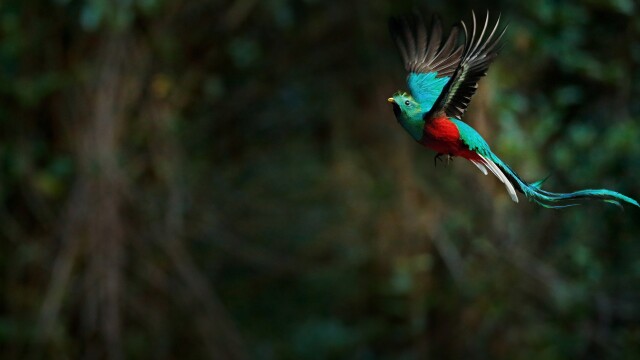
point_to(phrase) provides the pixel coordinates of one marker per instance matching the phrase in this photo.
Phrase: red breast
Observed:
(442, 135)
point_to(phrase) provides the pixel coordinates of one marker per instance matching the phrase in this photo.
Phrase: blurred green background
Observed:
(225, 180)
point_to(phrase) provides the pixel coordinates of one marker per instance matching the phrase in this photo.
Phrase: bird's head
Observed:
(404, 105)
(408, 113)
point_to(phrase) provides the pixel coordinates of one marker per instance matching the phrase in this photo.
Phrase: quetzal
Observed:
(443, 76)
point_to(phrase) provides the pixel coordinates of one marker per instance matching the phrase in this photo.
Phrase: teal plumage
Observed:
(533, 191)
(442, 79)
(426, 88)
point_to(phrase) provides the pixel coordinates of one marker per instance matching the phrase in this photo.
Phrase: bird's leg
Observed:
(449, 159)
(437, 157)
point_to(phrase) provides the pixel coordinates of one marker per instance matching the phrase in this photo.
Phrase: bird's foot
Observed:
(439, 157)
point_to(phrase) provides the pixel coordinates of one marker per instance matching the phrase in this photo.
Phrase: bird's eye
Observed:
(407, 102)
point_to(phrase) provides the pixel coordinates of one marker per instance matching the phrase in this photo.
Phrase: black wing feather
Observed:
(477, 56)
(422, 52)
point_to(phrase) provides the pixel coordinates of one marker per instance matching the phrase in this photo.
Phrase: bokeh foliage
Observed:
(224, 179)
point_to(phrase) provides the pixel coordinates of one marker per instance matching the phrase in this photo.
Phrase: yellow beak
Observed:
(391, 100)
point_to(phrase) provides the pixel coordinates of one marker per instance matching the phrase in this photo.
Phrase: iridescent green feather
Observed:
(426, 87)
(533, 191)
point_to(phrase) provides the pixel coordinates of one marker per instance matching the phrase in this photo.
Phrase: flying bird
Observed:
(443, 76)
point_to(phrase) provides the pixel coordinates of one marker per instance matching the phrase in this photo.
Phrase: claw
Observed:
(437, 157)
(449, 159)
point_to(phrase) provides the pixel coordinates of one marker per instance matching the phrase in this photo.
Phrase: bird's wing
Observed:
(429, 60)
(478, 54)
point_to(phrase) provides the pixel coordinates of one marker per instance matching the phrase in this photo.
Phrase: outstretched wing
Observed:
(478, 54)
(429, 60)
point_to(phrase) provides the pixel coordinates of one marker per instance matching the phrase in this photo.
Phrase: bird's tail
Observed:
(533, 191)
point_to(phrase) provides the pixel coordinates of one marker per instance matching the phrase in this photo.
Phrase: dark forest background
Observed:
(225, 180)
